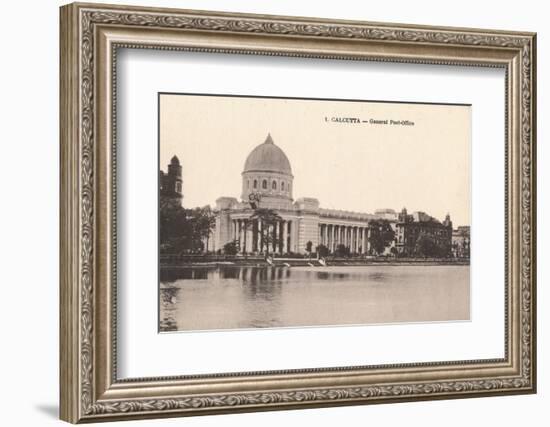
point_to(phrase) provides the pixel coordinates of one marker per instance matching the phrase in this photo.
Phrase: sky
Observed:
(350, 166)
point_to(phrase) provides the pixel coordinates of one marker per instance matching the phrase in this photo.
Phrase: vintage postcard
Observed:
(297, 212)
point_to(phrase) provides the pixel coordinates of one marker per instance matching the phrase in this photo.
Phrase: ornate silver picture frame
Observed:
(92, 37)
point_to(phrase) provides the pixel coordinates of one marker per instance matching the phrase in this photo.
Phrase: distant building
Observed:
(422, 234)
(171, 183)
(461, 242)
(388, 214)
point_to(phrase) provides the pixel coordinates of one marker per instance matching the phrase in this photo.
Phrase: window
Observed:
(248, 183)
(283, 186)
(255, 183)
(264, 184)
(274, 185)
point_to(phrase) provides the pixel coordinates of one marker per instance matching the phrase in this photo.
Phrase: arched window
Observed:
(283, 186)
(274, 185)
(264, 184)
(255, 183)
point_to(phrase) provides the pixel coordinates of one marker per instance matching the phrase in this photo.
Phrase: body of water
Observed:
(237, 297)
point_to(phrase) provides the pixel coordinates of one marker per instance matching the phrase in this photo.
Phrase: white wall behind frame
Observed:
(29, 296)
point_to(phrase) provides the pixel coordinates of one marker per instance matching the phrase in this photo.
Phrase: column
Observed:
(282, 237)
(245, 235)
(363, 240)
(260, 235)
(274, 236)
(254, 236)
(294, 236)
(368, 237)
(346, 236)
(345, 242)
(285, 237)
(249, 238)
(332, 245)
(290, 239)
(240, 228)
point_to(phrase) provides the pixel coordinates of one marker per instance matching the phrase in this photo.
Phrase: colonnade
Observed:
(354, 237)
(256, 236)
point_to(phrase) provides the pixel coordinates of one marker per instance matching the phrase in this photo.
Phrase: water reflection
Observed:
(230, 297)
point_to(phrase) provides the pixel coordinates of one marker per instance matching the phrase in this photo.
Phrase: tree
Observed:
(230, 248)
(427, 246)
(172, 225)
(381, 235)
(309, 247)
(342, 250)
(268, 218)
(184, 229)
(322, 250)
(200, 224)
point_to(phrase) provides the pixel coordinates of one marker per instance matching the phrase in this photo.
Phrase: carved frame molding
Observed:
(89, 387)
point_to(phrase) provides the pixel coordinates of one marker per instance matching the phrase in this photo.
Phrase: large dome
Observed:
(267, 157)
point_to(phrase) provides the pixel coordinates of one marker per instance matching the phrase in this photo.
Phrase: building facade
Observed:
(422, 234)
(267, 181)
(171, 183)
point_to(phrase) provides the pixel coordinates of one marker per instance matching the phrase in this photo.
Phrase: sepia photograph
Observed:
(302, 212)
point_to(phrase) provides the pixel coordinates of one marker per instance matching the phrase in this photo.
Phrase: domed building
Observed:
(267, 173)
(267, 182)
